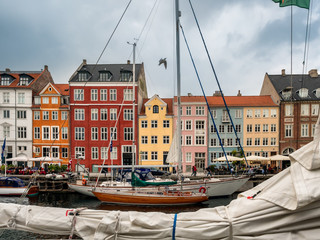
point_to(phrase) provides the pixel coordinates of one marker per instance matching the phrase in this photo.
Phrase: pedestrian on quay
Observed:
(209, 173)
(194, 171)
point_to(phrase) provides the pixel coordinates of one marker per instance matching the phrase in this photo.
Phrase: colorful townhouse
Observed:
(102, 100)
(298, 96)
(16, 96)
(155, 130)
(51, 123)
(194, 137)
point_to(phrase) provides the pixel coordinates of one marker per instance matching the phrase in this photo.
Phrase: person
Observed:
(194, 171)
(232, 171)
(209, 171)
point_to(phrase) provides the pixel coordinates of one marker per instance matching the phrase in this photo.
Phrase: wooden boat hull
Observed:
(146, 198)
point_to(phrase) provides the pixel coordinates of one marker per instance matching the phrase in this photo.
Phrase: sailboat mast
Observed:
(133, 105)
(178, 14)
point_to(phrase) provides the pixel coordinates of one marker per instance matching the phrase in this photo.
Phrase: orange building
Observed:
(51, 122)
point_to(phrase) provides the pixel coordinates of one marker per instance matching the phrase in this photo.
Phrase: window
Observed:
(104, 76)
(113, 114)
(257, 127)
(305, 110)
(265, 113)
(82, 76)
(22, 132)
(6, 131)
(249, 141)
(79, 114)
(313, 129)
(94, 114)
(78, 95)
(257, 113)
(113, 94)
(144, 139)
(113, 133)
(103, 114)
(128, 114)
(265, 127)
(238, 128)
(188, 157)
(94, 94)
(128, 134)
(144, 123)
(79, 152)
(125, 76)
(288, 128)
(154, 139)
(36, 133)
(188, 125)
(104, 133)
(55, 133)
(199, 140)
(128, 94)
(45, 100)
(200, 125)
(114, 153)
(249, 113)
(288, 110)
(238, 113)
(64, 133)
(273, 127)
(5, 81)
(54, 100)
(21, 98)
(166, 139)
(64, 115)
(304, 130)
(103, 94)
(6, 97)
(155, 109)
(104, 153)
(45, 133)
(94, 133)
(143, 155)
(54, 115)
(46, 151)
(94, 153)
(6, 113)
(154, 155)
(154, 123)
(45, 115)
(36, 115)
(315, 109)
(55, 152)
(79, 133)
(229, 129)
(257, 141)
(249, 127)
(21, 114)
(221, 128)
(265, 141)
(188, 111)
(273, 113)
(273, 141)
(189, 140)
(64, 152)
(303, 92)
(199, 111)
(229, 142)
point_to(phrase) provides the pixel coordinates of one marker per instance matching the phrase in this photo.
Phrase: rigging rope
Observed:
(205, 97)
(216, 77)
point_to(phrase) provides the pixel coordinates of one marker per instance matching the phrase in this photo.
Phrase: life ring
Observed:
(202, 190)
(84, 181)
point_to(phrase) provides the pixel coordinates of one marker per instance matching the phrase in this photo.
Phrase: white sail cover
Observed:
(173, 151)
(286, 206)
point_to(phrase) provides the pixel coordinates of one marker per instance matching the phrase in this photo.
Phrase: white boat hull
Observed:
(12, 191)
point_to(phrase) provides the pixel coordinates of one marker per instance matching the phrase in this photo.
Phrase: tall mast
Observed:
(178, 14)
(133, 104)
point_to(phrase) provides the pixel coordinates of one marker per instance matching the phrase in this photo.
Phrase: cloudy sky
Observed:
(246, 39)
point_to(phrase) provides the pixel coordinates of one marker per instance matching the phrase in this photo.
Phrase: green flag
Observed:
(298, 3)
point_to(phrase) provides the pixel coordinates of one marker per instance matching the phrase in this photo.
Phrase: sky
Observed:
(246, 39)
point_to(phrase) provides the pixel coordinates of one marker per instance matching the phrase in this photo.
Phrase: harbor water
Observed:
(75, 200)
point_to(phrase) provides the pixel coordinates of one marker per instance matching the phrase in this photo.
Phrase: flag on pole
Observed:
(3, 148)
(298, 3)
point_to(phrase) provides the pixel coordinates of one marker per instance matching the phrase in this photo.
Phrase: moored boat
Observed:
(12, 186)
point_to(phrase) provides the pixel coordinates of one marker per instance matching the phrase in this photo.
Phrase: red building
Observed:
(101, 109)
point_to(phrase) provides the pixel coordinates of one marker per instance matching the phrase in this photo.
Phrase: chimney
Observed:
(128, 61)
(313, 73)
(46, 67)
(7, 69)
(283, 72)
(189, 94)
(239, 93)
(217, 93)
(84, 62)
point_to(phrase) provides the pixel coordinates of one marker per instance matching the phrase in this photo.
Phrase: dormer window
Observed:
(83, 76)
(24, 81)
(303, 92)
(155, 109)
(125, 76)
(287, 93)
(317, 92)
(104, 76)
(5, 81)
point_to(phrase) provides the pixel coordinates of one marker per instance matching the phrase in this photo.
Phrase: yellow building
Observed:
(155, 130)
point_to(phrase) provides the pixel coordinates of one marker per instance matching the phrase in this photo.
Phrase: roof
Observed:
(114, 69)
(299, 81)
(16, 76)
(62, 88)
(242, 101)
(168, 101)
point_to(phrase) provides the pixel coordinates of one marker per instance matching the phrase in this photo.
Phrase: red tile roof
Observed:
(242, 101)
(62, 88)
(16, 76)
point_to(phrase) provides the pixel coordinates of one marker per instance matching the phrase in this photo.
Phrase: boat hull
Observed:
(129, 197)
(18, 191)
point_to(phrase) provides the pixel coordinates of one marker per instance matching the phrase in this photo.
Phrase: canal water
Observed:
(75, 200)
